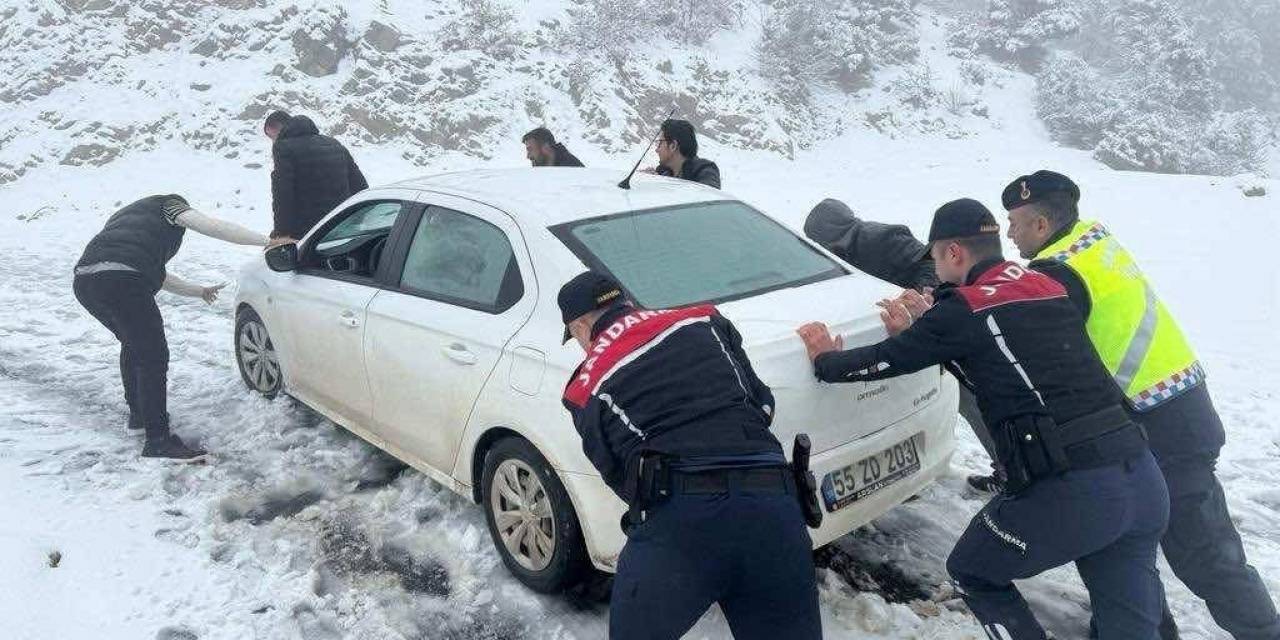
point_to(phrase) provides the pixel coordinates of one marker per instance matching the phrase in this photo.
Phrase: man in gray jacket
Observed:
(887, 251)
(891, 253)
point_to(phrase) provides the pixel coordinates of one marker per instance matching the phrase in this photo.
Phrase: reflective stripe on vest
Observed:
(1132, 330)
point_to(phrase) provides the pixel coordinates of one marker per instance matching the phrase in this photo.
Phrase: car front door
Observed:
(465, 287)
(323, 307)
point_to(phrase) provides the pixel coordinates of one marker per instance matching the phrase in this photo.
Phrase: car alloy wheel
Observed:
(523, 515)
(531, 518)
(256, 355)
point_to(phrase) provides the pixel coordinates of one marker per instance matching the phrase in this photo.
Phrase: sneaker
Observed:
(986, 484)
(173, 448)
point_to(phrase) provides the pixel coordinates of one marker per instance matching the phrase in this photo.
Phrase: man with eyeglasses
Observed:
(678, 155)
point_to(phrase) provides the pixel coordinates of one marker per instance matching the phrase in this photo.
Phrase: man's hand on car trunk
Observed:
(901, 312)
(817, 339)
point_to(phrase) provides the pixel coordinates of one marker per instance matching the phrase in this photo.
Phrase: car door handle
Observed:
(348, 319)
(459, 353)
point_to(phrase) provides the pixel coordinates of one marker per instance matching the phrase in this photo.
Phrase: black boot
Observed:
(986, 484)
(172, 447)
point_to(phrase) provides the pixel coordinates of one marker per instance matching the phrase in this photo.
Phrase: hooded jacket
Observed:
(887, 251)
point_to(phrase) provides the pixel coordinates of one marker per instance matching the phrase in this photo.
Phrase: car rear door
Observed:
(465, 287)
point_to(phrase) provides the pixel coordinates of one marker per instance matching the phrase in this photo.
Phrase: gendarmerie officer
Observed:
(891, 253)
(1156, 369)
(1082, 485)
(676, 421)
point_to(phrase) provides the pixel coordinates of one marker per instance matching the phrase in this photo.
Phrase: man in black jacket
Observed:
(678, 155)
(542, 150)
(313, 173)
(674, 418)
(116, 281)
(1082, 484)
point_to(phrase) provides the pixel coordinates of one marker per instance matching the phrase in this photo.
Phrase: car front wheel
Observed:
(256, 355)
(531, 519)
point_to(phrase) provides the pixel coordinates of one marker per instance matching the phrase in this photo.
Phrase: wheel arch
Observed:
(484, 443)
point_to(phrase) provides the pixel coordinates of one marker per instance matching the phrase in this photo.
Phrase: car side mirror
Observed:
(283, 257)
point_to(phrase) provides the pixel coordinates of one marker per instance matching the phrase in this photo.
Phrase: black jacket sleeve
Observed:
(940, 335)
(283, 182)
(354, 177)
(590, 423)
(761, 391)
(1070, 280)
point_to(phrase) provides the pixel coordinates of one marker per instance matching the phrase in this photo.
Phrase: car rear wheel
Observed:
(256, 355)
(531, 519)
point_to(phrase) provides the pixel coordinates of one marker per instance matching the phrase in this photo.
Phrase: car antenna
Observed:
(626, 182)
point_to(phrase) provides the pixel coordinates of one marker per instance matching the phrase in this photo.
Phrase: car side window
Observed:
(462, 260)
(354, 243)
(367, 219)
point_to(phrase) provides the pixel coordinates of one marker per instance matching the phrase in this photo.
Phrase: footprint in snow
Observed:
(177, 633)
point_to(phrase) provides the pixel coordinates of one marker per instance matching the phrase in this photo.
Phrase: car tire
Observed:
(256, 355)
(531, 519)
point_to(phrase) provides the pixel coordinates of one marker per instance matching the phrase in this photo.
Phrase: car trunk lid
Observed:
(831, 414)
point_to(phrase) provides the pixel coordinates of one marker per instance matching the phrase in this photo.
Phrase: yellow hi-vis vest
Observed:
(1135, 335)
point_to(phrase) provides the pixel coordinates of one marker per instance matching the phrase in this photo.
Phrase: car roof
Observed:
(553, 195)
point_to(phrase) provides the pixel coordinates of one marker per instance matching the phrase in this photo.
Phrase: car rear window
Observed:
(696, 253)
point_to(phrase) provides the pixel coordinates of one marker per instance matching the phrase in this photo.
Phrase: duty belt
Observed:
(760, 480)
(1035, 446)
(655, 481)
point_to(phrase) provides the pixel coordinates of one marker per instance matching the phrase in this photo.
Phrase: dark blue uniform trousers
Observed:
(749, 552)
(1202, 545)
(1107, 520)
(1206, 554)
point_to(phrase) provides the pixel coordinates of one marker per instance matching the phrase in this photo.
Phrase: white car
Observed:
(422, 317)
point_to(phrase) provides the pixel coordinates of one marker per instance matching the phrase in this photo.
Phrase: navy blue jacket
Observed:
(675, 381)
(1011, 335)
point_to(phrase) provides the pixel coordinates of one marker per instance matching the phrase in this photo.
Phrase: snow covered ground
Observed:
(299, 530)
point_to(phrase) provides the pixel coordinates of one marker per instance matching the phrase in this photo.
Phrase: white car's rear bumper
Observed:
(599, 510)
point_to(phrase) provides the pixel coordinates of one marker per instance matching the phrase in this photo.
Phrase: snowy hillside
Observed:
(89, 81)
(299, 530)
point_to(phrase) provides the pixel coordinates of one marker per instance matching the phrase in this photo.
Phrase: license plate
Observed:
(843, 487)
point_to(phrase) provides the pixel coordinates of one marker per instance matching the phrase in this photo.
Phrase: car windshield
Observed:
(696, 253)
